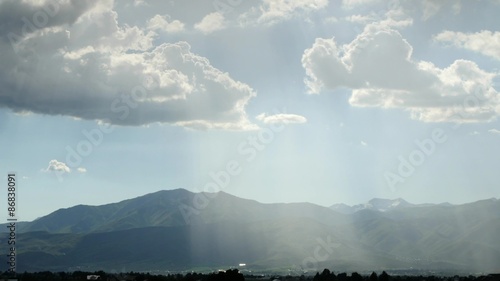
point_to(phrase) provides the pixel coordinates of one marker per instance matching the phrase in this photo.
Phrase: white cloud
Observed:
(56, 166)
(363, 143)
(211, 23)
(485, 42)
(281, 118)
(81, 170)
(362, 19)
(431, 8)
(379, 68)
(494, 131)
(273, 11)
(140, 3)
(99, 69)
(395, 18)
(163, 23)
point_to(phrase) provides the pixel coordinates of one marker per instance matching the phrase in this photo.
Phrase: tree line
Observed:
(227, 275)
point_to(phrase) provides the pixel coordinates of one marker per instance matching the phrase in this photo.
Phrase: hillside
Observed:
(173, 208)
(152, 232)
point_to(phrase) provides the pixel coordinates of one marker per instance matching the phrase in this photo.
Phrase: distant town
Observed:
(236, 275)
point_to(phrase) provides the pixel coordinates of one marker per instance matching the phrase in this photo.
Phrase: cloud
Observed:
(396, 17)
(211, 23)
(21, 18)
(81, 170)
(363, 143)
(56, 166)
(379, 69)
(431, 8)
(484, 42)
(362, 19)
(494, 131)
(99, 69)
(274, 11)
(163, 23)
(281, 118)
(140, 3)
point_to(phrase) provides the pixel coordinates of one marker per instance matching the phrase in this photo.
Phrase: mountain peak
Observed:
(376, 204)
(385, 204)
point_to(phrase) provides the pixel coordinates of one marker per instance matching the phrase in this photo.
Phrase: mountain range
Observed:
(381, 205)
(176, 230)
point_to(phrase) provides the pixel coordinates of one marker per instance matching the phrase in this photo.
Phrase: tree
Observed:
(326, 275)
(384, 276)
(356, 277)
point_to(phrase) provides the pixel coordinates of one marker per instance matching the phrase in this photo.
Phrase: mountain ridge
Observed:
(150, 232)
(384, 205)
(164, 208)
(339, 207)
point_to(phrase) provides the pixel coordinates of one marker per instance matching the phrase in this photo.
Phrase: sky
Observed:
(272, 100)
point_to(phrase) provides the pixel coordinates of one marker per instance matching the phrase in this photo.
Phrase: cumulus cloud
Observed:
(281, 118)
(485, 42)
(56, 166)
(211, 23)
(379, 69)
(163, 23)
(494, 131)
(19, 19)
(87, 65)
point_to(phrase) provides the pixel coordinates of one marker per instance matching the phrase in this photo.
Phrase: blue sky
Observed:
(273, 100)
